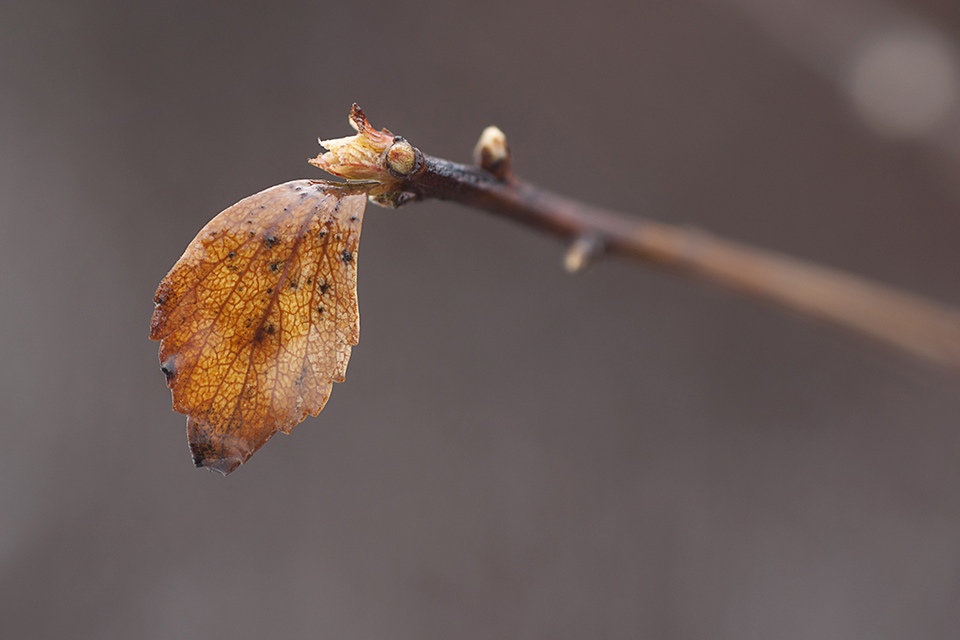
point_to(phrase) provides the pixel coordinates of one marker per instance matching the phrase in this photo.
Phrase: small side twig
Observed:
(915, 324)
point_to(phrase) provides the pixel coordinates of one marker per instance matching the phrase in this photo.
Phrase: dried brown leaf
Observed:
(257, 318)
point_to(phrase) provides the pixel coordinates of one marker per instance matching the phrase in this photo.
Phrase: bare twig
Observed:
(918, 326)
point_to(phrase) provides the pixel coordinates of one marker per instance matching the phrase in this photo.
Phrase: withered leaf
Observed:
(257, 318)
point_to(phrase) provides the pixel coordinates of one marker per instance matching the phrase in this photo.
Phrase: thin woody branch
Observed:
(917, 325)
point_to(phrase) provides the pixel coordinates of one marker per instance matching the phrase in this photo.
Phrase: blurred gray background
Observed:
(516, 453)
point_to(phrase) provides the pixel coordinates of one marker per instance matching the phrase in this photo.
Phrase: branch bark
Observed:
(916, 325)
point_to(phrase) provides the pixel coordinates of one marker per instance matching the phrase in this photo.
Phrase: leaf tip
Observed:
(220, 453)
(223, 466)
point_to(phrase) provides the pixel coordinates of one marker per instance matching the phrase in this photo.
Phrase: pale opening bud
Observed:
(492, 152)
(401, 158)
(357, 157)
(584, 250)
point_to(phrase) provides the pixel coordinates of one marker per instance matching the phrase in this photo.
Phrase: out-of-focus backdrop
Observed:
(516, 453)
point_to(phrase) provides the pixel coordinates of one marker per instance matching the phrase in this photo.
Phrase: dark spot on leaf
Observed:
(169, 367)
(353, 218)
(346, 256)
(324, 287)
(231, 255)
(274, 266)
(270, 290)
(310, 280)
(271, 241)
(262, 333)
(271, 329)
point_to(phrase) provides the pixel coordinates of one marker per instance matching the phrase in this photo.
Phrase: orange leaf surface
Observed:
(257, 318)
